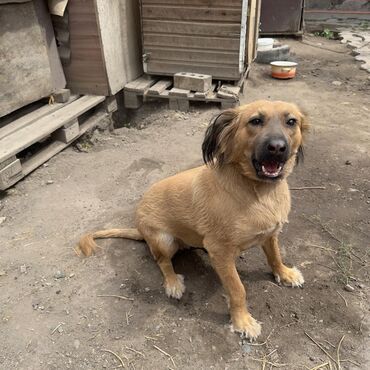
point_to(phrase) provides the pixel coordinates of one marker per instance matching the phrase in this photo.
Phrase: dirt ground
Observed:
(52, 314)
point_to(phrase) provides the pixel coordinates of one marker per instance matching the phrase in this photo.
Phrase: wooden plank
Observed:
(141, 84)
(218, 3)
(10, 174)
(179, 92)
(208, 29)
(33, 116)
(45, 154)
(191, 13)
(191, 42)
(192, 55)
(217, 71)
(28, 135)
(159, 87)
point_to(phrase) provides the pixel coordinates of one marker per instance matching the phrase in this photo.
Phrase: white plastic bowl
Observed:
(265, 44)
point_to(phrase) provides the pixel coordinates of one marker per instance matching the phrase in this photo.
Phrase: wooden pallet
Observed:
(145, 87)
(59, 124)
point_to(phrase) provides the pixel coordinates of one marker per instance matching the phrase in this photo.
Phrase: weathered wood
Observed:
(218, 3)
(105, 45)
(68, 132)
(57, 146)
(179, 92)
(192, 42)
(140, 85)
(191, 28)
(159, 87)
(10, 174)
(28, 118)
(229, 92)
(217, 71)
(28, 135)
(190, 13)
(29, 63)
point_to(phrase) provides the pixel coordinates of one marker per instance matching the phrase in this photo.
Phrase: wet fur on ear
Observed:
(304, 129)
(217, 137)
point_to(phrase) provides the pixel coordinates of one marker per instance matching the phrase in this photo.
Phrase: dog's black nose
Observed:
(276, 146)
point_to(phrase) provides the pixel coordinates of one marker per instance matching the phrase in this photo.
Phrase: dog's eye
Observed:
(291, 122)
(256, 121)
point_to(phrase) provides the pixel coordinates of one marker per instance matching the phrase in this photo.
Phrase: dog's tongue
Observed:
(271, 166)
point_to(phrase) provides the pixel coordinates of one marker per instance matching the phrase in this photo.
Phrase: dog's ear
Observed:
(217, 138)
(304, 129)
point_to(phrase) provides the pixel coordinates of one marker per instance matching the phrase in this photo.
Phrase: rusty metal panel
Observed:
(200, 36)
(282, 17)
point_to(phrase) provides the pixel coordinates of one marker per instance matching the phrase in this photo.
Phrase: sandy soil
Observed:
(51, 315)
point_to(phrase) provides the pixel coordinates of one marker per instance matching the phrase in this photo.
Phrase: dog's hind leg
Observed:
(283, 274)
(163, 247)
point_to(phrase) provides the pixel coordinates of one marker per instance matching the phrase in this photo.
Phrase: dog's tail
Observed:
(88, 246)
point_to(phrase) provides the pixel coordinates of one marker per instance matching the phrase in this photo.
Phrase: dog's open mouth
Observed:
(268, 168)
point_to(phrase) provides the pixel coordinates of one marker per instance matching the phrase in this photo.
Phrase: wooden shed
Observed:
(214, 37)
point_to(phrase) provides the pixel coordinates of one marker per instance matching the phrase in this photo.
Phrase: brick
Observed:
(10, 173)
(68, 132)
(192, 81)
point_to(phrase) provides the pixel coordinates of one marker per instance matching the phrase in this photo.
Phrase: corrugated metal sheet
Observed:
(201, 36)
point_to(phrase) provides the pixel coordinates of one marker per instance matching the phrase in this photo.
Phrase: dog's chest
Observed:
(260, 222)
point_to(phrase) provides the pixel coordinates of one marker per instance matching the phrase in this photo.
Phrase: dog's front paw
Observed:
(175, 288)
(289, 277)
(246, 325)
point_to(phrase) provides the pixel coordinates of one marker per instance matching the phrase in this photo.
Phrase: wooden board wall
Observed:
(201, 36)
(105, 47)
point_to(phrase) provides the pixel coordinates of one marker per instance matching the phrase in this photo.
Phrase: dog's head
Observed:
(264, 139)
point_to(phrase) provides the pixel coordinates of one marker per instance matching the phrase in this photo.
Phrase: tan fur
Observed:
(224, 209)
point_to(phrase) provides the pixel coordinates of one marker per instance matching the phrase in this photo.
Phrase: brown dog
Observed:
(239, 199)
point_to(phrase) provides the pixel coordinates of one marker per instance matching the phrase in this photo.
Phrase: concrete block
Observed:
(10, 173)
(173, 104)
(68, 132)
(62, 95)
(184, 105)
(192, 81)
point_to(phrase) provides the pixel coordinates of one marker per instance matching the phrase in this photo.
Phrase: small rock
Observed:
(46, 164)
(2, 220)
(348, 163)
(246, 348)
(23, 269)
(76, 343)
(349, 288)
(337, 83)
(71, 275)
(147, 289)
(60, 329)
(59, 275)
(361, 286)
(353, 190)
(58, 292)
(2, 273)
(49, 182)
(42, 308)
(312, 358)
